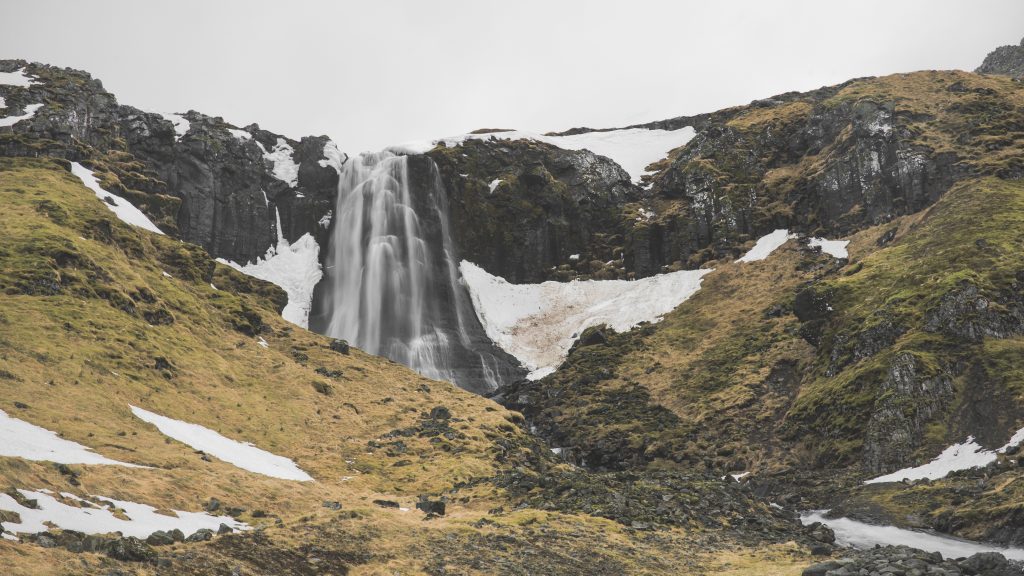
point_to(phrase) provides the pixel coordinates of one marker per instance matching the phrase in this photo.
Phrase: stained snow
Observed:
(30, 111)
(632, 148)
(181, 124)
(240, 135)
(285, 168)
(834, 248)
(241, 454)
(28, 441)
(538, 323)
(95, 515)
(122, 208)
(860, 535)
(766, 245)
(333, 157)
(961, 456)
(293, 267)
(17, 78)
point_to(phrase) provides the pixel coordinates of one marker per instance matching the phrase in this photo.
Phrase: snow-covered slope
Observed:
(30, 111)
(23, 440)
(97, 516)
(632, 148)
(241, 454)
(538, 323)
(119, 206)
(766, 245)
(293, 267)
(960, 456)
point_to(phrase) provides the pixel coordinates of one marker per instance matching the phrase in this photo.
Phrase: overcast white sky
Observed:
(373, 73)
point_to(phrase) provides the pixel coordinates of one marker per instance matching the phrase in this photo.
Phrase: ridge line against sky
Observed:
(374, 74)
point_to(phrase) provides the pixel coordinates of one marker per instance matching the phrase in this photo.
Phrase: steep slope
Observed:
(99, 316)
(196, 176)
(810, 372)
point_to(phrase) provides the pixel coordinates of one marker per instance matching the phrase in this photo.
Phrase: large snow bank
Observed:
(181, 124)
(860, 535)
(30, 111)
(241, 454)
(17, 78)
(766, 245)
(293, 267)
(28, 441)
(632, 148)
(961, 456)
(122, 208)
(538, 323)
(285, 168)
(834, 248)
(95, 515)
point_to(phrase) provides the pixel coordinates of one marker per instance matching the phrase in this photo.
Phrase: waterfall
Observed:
(391, 282)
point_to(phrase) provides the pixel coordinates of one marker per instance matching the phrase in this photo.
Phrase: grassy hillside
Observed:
(97, 315)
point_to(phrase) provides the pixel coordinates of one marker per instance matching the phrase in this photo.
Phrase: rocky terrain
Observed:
(682, 446)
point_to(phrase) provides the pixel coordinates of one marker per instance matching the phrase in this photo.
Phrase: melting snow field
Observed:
(963, 456)
(538, 323)
(96, 516)
(860, 535)
(632, 148)
(17, 78)
(181, 125)
(834, 248)
(293, 267)
(122, 208)
(28, 441)
(766, 245)
(241, 454)
(30, 111)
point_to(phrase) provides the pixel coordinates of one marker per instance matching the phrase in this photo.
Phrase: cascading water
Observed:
(391, 282)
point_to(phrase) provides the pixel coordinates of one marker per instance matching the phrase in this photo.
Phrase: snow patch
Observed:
(834, 248)
(95, 515)
(28, 441)
(860, 535)
(293, 267)
(538, 323)
(17, 78)
(241, 454)
(961, 456)
(325, 221)
(285, 168)
(30, 111)
(181, 124)
(632, 148)
(333, 157)
(121, 208)
(3, 103)
(766, 245)
(240, 135)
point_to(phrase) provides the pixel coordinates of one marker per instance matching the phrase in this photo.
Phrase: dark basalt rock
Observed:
(1005, 60)
(208, 186)
(130, 549)
(966, 313)
(550, 204)
(894, 432)
(905, 560)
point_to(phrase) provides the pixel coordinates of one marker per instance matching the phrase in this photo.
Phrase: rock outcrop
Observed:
(195, 176)
(1005, 60)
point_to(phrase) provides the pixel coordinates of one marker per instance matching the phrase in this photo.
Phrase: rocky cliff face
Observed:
(521, 209)
(196, 176)
(1005, 60)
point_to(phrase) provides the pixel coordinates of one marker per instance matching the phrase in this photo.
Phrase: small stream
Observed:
(861, 535)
